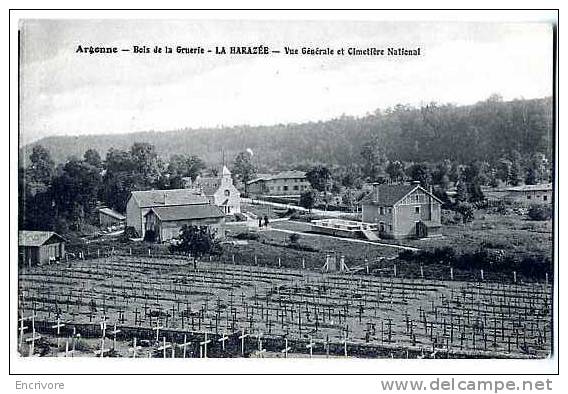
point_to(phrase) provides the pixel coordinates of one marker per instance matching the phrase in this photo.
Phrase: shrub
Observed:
(466, 210)
(247, 236)
(294, 238)
(540, 212)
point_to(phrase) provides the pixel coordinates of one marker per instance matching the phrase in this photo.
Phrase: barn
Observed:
(141, 202)
(167, 222)
(403, 211)
(109, 218)
(40, 247)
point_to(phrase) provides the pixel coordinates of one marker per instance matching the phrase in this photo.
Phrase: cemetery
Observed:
(125, 305)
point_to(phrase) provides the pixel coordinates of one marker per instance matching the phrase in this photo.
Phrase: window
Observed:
(416, 197)
(285, 188)
(544, 198)
(381, 227)
(227, 193)
(528, 197)
(381, 210)
(296, 187)
(390, 228)
(390, 210)
(416, 209)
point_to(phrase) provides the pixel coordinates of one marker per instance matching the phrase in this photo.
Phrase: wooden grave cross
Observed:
(242, 338)
(22, 329)
(260, 349)
(101, 352)
(158, 327)
(222, 340)
(310, 346)
(114, 332)
(184, 345)
(164, 346)
(204, 343)
(286, 348)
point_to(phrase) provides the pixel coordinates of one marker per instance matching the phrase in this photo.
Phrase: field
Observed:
(174, 306)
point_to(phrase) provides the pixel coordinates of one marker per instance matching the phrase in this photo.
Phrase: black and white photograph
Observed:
(268, 188)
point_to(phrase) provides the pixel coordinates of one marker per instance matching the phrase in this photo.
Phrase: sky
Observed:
(69, 93)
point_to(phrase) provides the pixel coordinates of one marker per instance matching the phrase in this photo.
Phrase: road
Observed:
(314, 211)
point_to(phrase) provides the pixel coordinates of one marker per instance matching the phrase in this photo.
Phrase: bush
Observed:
(294, 238)
(466, 210)
(451, 217)
(247, 236)
(130, 232)
(540, 212)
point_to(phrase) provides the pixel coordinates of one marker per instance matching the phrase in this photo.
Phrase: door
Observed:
(421, 230)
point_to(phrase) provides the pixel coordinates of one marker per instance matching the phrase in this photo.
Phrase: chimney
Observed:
(165, 198)
(376, 190)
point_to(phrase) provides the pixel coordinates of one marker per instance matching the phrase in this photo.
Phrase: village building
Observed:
(285, 183)
(530, 194)
(110, 218)
(141, 202)
(220, 191)
(166, 222)
(40, 247)
(402, 211)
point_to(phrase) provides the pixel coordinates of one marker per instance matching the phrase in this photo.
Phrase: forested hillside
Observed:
(487, 131)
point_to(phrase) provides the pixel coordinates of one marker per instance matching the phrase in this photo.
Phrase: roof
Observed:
(156, 198)
(187, 212)
(112, 213)
(389, 194)
(225, 171)
(36, 238)
(532, 188)
(292, 174)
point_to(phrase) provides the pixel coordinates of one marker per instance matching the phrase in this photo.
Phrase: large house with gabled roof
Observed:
(403, 211)
(285, 183)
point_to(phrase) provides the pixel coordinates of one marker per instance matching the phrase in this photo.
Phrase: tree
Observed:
(308, 199)
(374, 160)
(515, 175)
(197, 240)
(421, 173)
(503, 170)
(319, 178)
(41, 167)
(75, 191)
(185, 166)
(244, 169)
(395, 171)
(93, 158)
(462, 194)
(146, 161)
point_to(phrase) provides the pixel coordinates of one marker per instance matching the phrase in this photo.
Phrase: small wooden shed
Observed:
(40, 247)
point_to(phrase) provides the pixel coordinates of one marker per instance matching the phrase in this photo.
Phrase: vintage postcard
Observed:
(285, 188)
